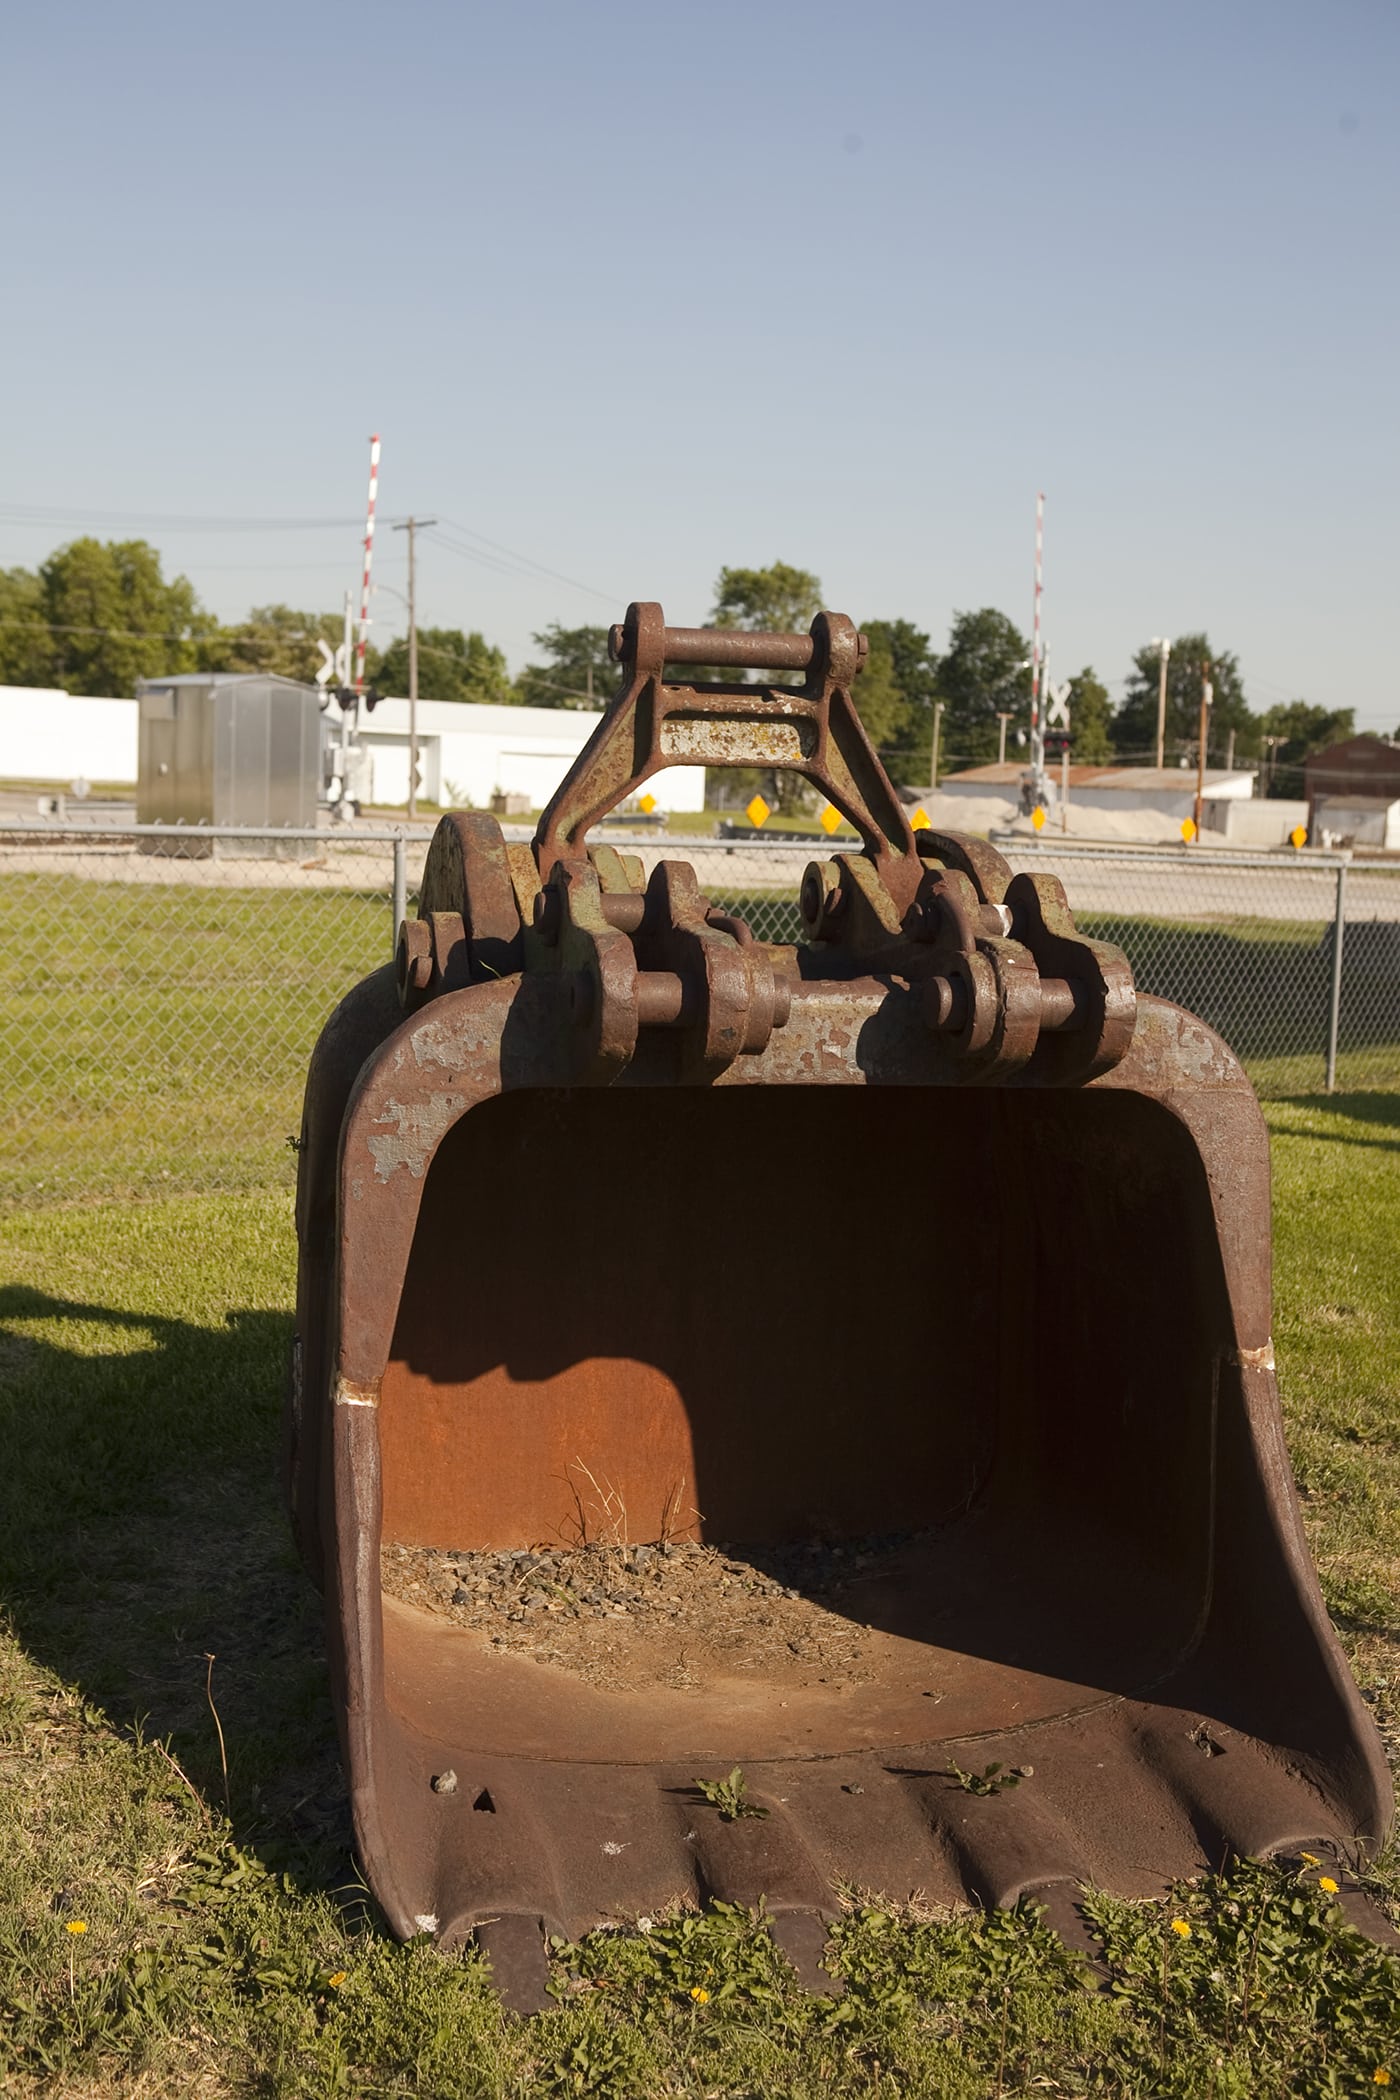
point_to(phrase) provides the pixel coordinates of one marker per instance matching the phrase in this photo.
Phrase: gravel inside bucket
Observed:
(678, 1614)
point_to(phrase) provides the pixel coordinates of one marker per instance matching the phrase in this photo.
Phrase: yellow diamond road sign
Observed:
(1188, 829)
(758, 812)
(1299, 835)
(831, 817)
(647, 805)
(919, 821)
(1038, 817)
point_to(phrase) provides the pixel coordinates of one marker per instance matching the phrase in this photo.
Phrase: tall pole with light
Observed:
(411, 526)
(1040, 794)
(1164, 649)
(368, 562)
(1207, 696)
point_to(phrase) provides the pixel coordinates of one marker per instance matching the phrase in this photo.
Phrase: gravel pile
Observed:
(679, 1614)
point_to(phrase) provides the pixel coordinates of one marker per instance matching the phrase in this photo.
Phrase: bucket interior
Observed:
(970, 1336)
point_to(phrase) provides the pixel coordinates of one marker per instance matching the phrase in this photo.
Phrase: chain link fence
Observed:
(157, 1010)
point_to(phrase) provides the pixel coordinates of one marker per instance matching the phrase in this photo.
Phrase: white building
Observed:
(466, 753)
(47, 735)
(1357, 820)
(469, 753)
(1168, 791)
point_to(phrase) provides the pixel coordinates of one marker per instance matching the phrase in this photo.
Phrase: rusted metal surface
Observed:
(1036, 1339)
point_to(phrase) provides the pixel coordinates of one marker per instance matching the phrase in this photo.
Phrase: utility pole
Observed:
(1165, 649)
(348, 644)
(1230, 753)
(1001, 744)
(411, 527)
(1207, 695)
(1040, 794)
(937, 727)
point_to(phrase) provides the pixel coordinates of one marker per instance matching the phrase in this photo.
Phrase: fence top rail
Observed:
(683, 844)
(70, 834)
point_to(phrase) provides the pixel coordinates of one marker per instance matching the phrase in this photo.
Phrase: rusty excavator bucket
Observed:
(847, 1361)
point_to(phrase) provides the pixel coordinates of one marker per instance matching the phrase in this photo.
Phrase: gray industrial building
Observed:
(228, 748)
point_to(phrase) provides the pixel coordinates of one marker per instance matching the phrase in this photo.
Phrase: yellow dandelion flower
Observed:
(700, 1994)
(1311, 1858)
(1181, 1928)
(77, 1925)
(1380, 2076)
(1325, 1881)
(336, 1981)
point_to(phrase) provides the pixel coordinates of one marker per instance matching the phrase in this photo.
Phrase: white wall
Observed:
(1262, 823)
(50, 735)
(1167, 802)
(469, 752)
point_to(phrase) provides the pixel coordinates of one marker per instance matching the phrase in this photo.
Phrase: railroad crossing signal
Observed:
(335, 664)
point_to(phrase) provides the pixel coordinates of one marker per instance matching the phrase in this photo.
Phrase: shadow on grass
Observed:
(1382, 1109)
(142, 1529)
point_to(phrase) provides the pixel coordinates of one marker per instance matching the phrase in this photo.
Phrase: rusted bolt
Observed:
(1063, 1004)
(665, 999)
(413, 961)
(945, 1003)
(547, 914)
(821, 898)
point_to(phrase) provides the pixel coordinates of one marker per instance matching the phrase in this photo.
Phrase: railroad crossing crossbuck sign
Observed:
(1057, 712)
(335, 664)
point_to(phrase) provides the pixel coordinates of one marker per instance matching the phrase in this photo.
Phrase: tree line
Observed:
(98, 616)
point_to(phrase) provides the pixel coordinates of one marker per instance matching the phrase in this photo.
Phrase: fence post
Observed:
(400, 891)
(1335, 1007)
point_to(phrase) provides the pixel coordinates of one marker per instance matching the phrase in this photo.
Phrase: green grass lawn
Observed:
(156, 1037)
(153, 1034)
(161, 1936)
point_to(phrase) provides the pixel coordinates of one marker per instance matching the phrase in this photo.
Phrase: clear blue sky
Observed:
(638, 290)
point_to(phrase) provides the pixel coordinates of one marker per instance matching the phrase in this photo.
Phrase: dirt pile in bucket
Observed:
(678, 1614)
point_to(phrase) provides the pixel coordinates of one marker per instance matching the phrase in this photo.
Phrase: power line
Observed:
(527, 562)
(167, 521)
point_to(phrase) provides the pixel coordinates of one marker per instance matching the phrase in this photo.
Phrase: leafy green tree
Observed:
(986, 670)
(114, 618)
(577, 672)
(1135, 724)
(894, 696)
(775, 600)
(1290, 733)
(27, 652)
(1090, 720)
(451, 666)
(273, 639)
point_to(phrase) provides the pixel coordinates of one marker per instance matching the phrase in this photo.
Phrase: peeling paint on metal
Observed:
(350, 1393)
(420, 1125)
